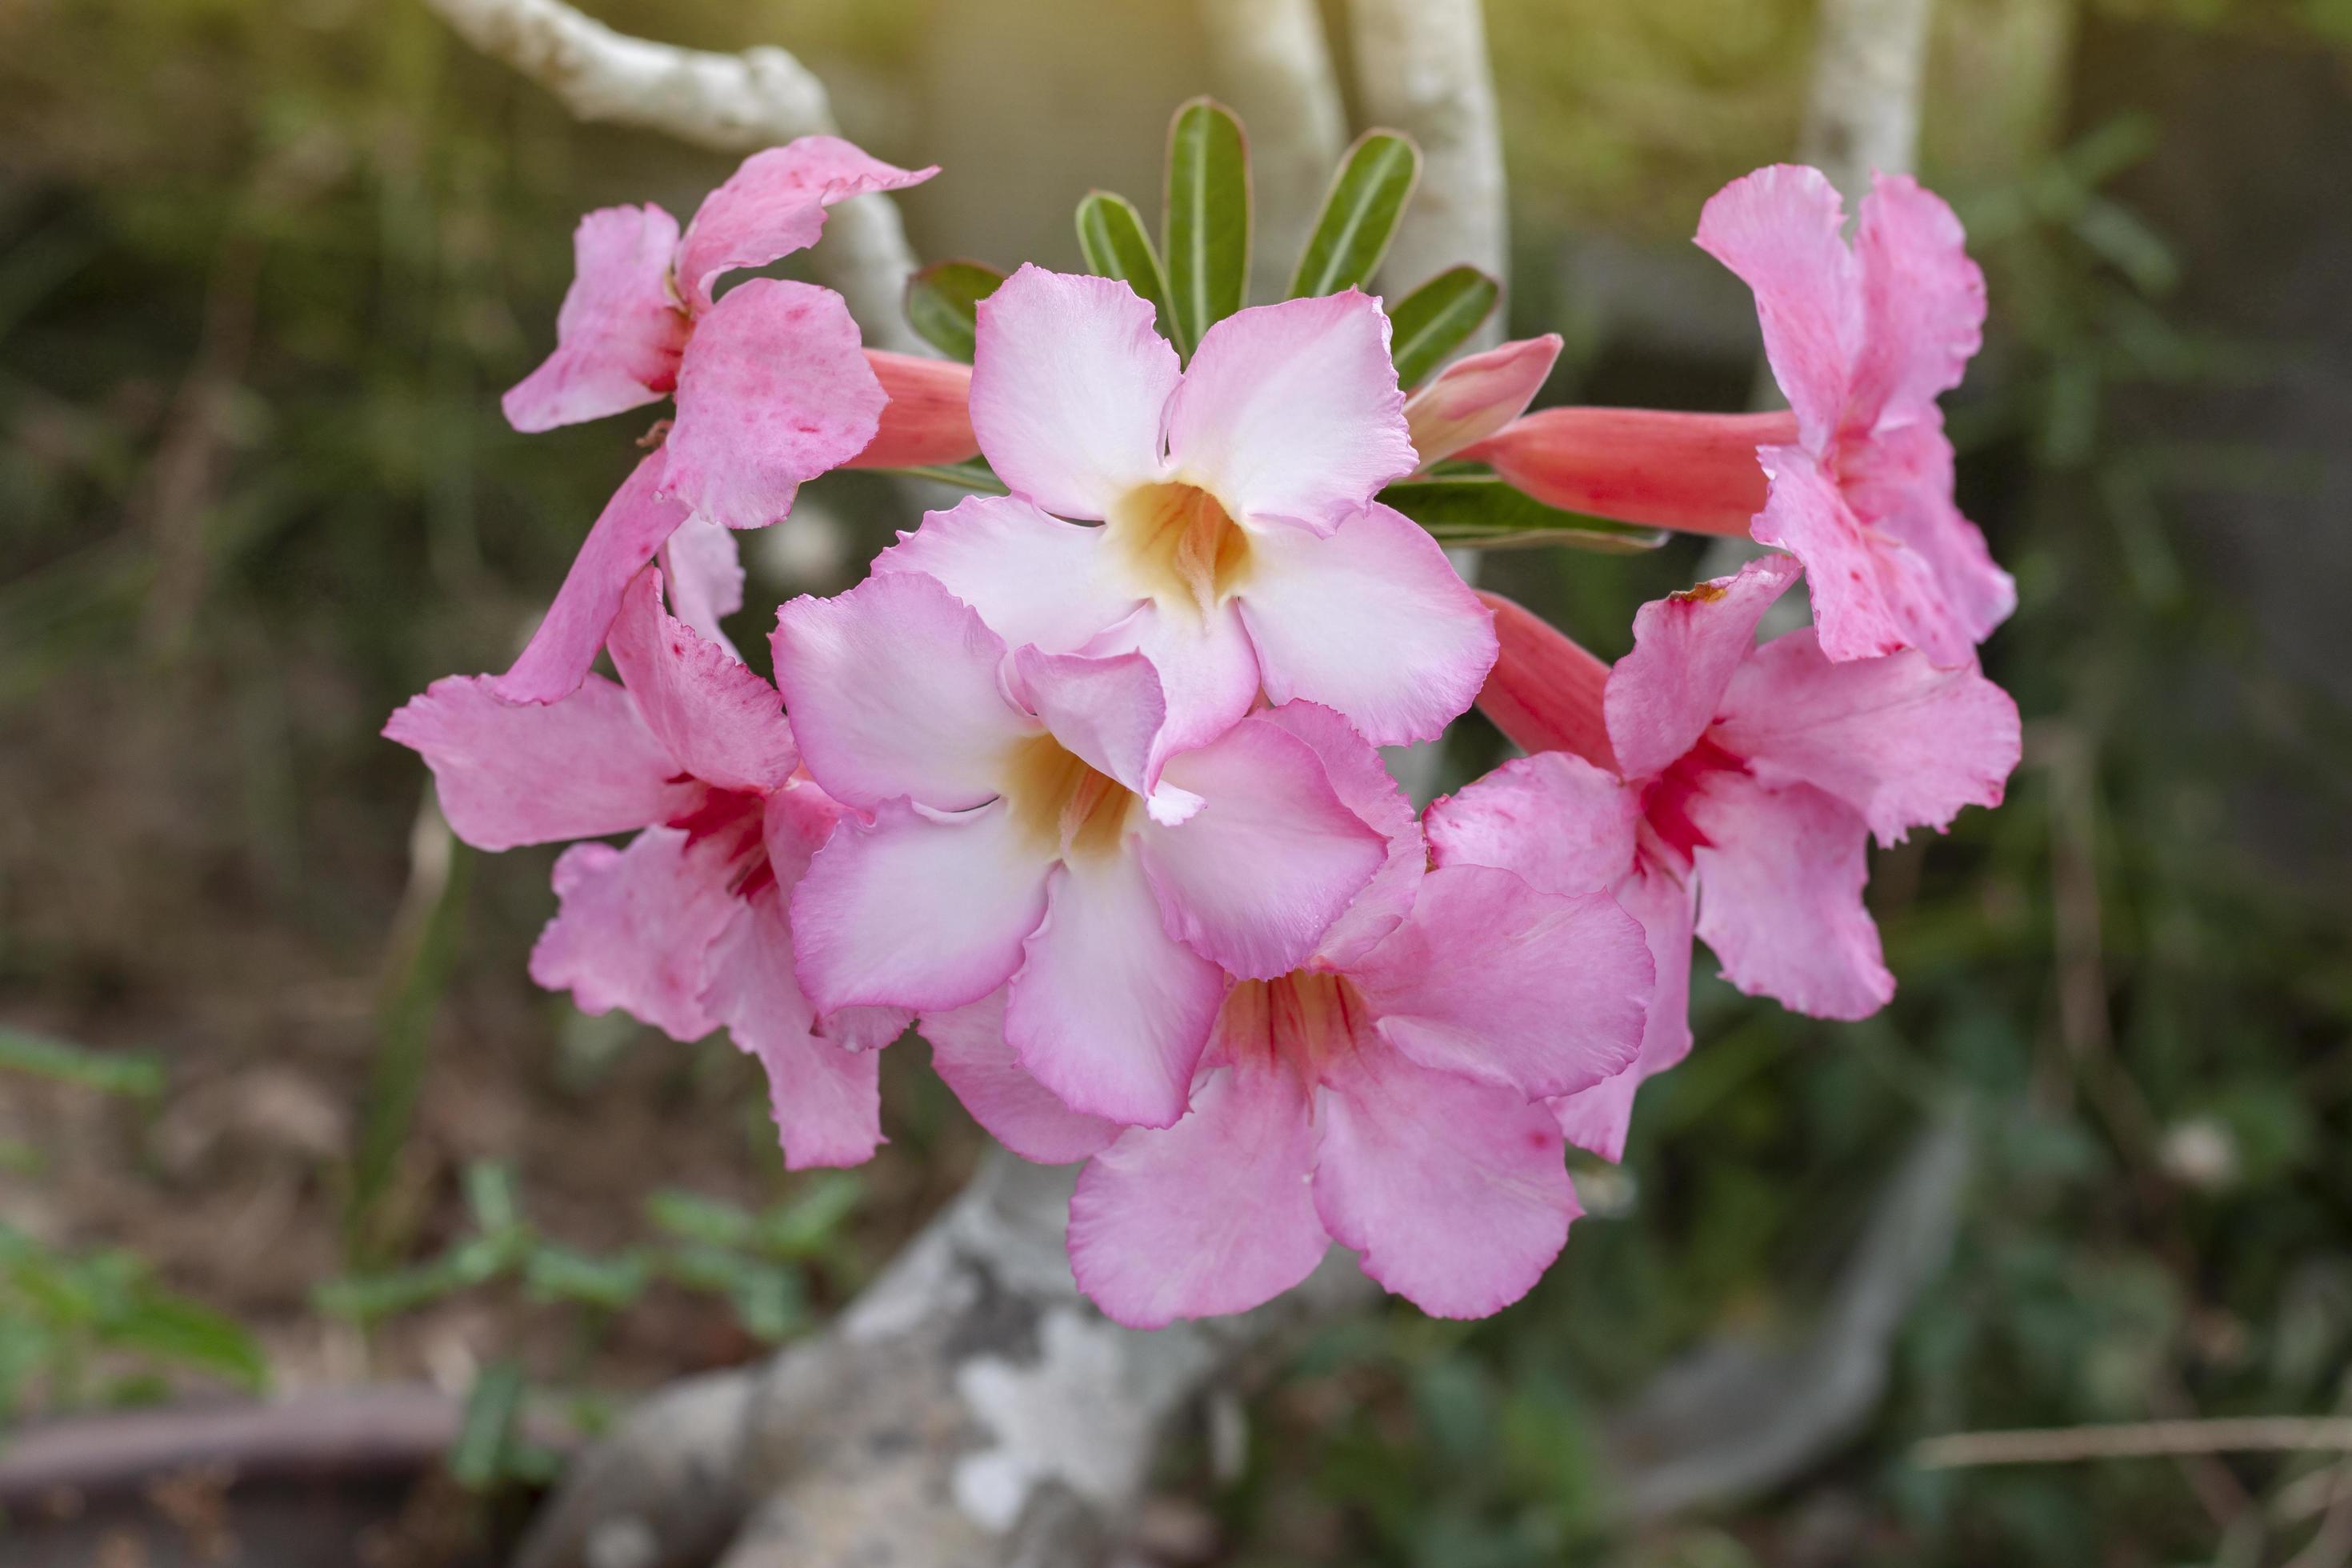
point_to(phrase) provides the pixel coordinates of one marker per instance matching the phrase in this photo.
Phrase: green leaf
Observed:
(693, 1218)
(1479, 511)
(172, 1328)
(1207, 222)
(136, 1073)
(1115, 243)
(477, 1458)
(943, 304)
(804, 1226)
(1360, 215)
(491, 1195)
(1432, 321)
(554, 1273)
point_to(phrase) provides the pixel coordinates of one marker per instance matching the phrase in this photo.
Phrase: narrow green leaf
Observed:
(808, 1224)
(943, 304)
(477, 1458)
(490, 1196)
(1115, 243)
(1206, 225)
(690, 1216)
(1482, 512)
(174, 1329)
(136, 1073)
(556, 1273)
(1368, 195)
(1432, 322)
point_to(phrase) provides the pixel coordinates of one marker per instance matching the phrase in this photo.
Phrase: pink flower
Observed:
(1386, 1094)
(1715, 783)
(1241, 549)
(1477, 395)
(686, 927)
(1862, 337)
(1030, 824)
(771, 385)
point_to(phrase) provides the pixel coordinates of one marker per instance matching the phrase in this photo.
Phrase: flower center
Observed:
(1061, 804)
(1302, 1019)
(1666, 799)
(1179, 544)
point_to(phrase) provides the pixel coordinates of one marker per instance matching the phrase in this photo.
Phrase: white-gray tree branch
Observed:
(1271, 62)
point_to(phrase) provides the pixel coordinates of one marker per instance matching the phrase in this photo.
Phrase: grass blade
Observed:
(1207, 222)
(1435, 319)
(1360, 215)
(139, 1074)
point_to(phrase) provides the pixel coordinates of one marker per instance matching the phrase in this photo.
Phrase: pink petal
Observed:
(1371, 621)
(1069, 379)
(1493, 980)
(1474, 398)
(1696, 472)
(826, 1101)
(1901, 742)
(1780, 901)
(1900, 484)
(928, 421)
(794, 823)
(632, 525)
(511, 773)
(721, 722)
(892, 688)
(1663, 694)
(618, 334)
(1364, 787)
(1107, 712)
(1596, 1120)
(1212, 1215)
(866, 1029)
(917, 909)
(703, 571)
(774, 390)
(773, 205)
(1779, 230)
(972, 1055)
(636, 927)
(1923, 302)
(1872, 593)
(1206, 665)
(1544, 692)
(1290, 413)
(1270, 860)
(1034, 579)
(1108, 1011)
(1560, 824)
(1453, 1192)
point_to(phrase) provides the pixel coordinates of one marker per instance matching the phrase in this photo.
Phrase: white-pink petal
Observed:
(1107, 712)
(972, 1058)
(1365, 787)
(618, 333)
(1034, 579)
(1596, 1120)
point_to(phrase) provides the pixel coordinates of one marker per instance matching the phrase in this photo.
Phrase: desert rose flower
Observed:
(1856, 480)
(1386, 1094)
(1029, 825)
(1477, 395)
(1714, 784)
(686, 928)
(771, 385)
(1239, 549)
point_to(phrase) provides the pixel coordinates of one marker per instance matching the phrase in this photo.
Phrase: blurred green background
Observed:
(279, 1105)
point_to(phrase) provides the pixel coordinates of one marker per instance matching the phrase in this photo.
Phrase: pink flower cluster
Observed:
(1082, 779)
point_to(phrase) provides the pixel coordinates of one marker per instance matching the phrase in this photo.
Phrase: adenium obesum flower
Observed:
(771, 384)
(686, 928)
(1856, 480)
(1709, 782)
(1386, 1094)
(1241, 550)
(1477, 395)
(1028, 825)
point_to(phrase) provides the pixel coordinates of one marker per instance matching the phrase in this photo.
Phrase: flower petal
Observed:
(1208, 1216)
(1901, 742)
(773, 204)
(1290, 413)
(1034, 579)
(1779, 884)
(972, 1055)
(893, 691)
(1272, 859)
(1365, 787)
(1900, 483)
(927, 420)
(634, 927)
(1493, 980)
(511, 773)
(774, 390)
(1069, 379)
(1686, 646)
(1453, 1191)
(1779, 230)
(1208, 670)
(1923, 301)
(618, 333)
(1558, 822)
(1544, 692)
(1108, 1011)
(1872, 593)
(632, 525)
(703, 573)
(1371, 621)
(1107, 712)
(916, 909)
(1596, 1120)
(1476, 395)
(826, 1101)
(721, 722)
(1696, 472)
